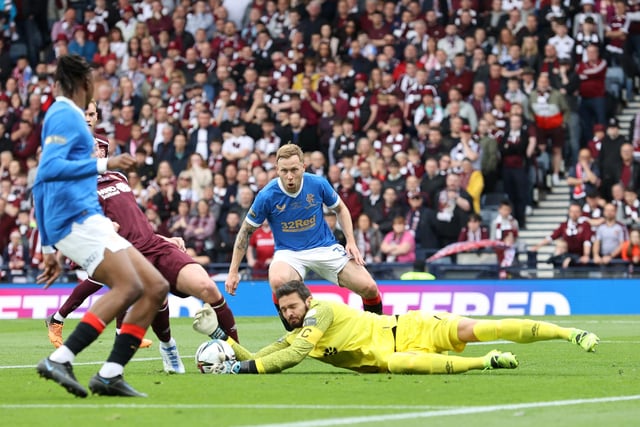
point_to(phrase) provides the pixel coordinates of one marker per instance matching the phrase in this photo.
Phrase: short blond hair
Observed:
(289, 150)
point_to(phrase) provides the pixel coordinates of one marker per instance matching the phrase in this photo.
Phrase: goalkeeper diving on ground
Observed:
(417, 342)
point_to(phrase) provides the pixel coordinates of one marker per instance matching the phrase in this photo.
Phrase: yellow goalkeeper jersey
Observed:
(332, 333)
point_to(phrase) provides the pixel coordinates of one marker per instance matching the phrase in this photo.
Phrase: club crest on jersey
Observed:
(311, 200)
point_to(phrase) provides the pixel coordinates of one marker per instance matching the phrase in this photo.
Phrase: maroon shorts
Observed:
(555, 135)
(169, 260)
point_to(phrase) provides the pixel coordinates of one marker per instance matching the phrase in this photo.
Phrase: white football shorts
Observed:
(86, 243)
(327, 262)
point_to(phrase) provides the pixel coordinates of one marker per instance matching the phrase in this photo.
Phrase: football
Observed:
(212, 352)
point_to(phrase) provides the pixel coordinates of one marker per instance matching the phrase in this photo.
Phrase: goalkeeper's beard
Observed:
(294, 322)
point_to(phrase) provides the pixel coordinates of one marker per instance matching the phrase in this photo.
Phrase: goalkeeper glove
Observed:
(206, 322)
(226, 367)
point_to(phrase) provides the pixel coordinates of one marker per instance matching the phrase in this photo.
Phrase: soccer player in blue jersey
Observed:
(292, 204)
(70, 220)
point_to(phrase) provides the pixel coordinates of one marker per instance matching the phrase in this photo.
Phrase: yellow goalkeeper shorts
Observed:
(428, 332)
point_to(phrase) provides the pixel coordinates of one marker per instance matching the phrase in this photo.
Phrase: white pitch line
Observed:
(212, 406)
(445, 412)
(151, 359)
(141, 359)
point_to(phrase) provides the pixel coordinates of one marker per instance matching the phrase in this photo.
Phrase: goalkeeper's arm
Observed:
(281, 355)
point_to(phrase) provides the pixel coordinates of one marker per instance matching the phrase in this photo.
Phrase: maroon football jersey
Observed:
(119, 205)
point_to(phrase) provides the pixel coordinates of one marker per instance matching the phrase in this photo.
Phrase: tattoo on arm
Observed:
(242, 240)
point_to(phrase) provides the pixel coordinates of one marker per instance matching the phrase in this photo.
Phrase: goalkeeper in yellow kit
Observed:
(412, 343)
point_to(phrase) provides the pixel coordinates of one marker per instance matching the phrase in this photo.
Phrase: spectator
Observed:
(237, 145)
(630, 249)
(628, 212)
(16, 255)
(65, 26)
(350, 196)
(383, 214)
(584, 177)
(505, 227)
(514, 147)
(399, 244)
(243, 201)
(489, 158)
(627, 170)
(576, 232)
(260, 251)
(25, 136)
(81, 46)
(474, 230)
(451, 44)
(179, 222)
(167, 199)
(472, 182)
(609, 158)
(450, 211)
(551, 114)
(568, 85)
(467, 148)
(562, 41)
(201, 176)
(8, 214)
(595, 144)
(592, 73)
(368, 239)
(199, 234)
(609, 237)
(561, 257)
(373, 200)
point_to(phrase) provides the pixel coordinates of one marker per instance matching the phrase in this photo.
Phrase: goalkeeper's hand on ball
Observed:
(206, 322)
(226, 367)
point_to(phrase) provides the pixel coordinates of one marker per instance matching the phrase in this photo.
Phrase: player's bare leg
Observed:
(194, 280)
(133, 280)
(356, 278)
(154, 290)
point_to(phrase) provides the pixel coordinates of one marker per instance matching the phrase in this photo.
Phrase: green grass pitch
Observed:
(557, 384)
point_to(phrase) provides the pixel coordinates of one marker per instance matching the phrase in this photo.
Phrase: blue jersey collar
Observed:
(294, 195)
(61, 98)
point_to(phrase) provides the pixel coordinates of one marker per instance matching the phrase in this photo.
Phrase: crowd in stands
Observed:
(416, 111)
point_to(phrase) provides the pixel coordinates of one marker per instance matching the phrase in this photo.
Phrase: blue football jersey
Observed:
(297, 220)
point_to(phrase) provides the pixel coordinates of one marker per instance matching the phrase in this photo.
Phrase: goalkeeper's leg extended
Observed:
(523, 331)
(434, 363)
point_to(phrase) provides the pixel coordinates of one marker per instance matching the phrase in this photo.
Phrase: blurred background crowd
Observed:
(421, 113)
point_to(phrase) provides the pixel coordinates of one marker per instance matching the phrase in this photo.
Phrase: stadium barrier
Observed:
(468, 297)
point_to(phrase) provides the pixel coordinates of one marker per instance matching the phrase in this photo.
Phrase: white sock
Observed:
(58, 317)
(110, 370)
(62, 355)
(168, 344)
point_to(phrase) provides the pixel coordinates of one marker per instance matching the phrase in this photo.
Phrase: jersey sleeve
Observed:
(295, 346)
(329, 195)
(257, 211)
(58, 144)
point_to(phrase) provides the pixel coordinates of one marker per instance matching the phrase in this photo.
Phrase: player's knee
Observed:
(276, 281)
(369, 290)
(157, 289)
(207, 291)
(132, 292)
